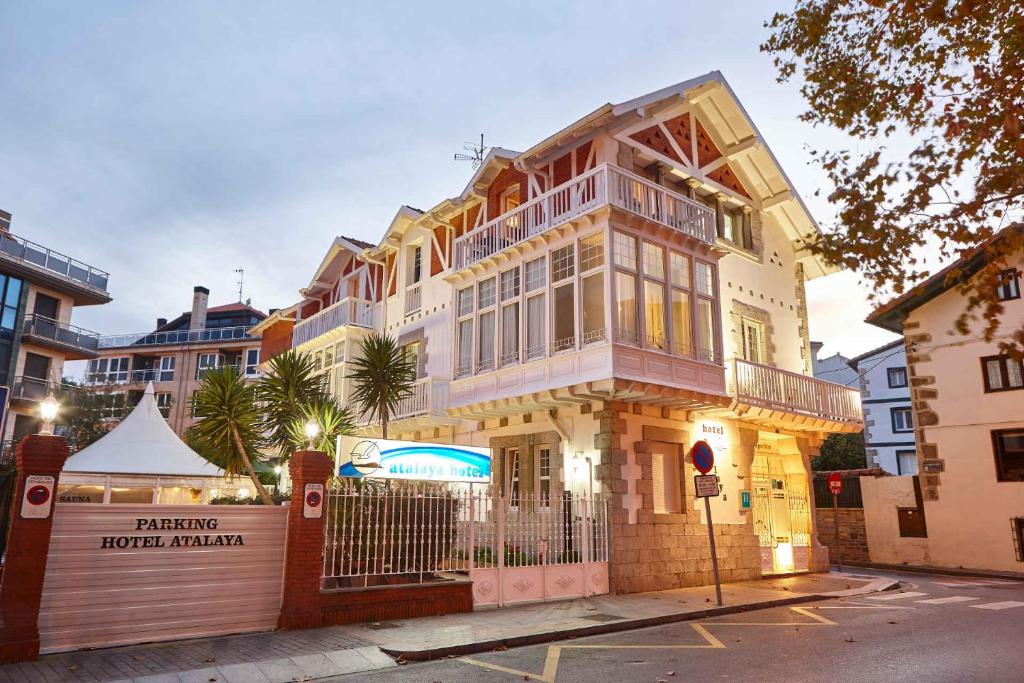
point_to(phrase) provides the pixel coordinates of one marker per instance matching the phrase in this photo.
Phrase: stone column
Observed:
(28, 542)
(819, 559)
(300, 603)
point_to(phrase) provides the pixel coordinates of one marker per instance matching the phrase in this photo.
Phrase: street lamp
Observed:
(48, 409)
(312, 430)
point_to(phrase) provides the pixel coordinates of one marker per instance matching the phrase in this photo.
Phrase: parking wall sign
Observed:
(38, 499)
(313, 501)
(706, 485)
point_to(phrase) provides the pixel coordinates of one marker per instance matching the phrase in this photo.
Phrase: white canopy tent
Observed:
(142, 460)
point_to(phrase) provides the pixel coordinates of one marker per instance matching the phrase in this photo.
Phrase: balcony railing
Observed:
(35, 389)
(152, 375)
(209, 334)
(413, 299)
(69, 335)
(604, 185)
(348, 311)
(429, 397)
(37, 255)
(791, 392)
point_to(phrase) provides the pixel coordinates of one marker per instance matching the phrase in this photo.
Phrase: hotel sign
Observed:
(190, 532)
(412, 460)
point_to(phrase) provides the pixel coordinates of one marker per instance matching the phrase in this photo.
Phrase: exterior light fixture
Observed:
(48, 409)
(277, 470)
(312, 430)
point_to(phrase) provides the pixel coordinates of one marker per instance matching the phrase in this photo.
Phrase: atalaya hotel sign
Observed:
(388, 459)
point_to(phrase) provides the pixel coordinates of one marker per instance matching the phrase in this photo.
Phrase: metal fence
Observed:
(397, 532)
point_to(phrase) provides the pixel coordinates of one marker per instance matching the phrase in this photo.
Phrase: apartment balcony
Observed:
(606, 185)
(176, 337)
(27, 391)
(74, 342)
(23, 258)
(333, 319)
(146, 375)
(780, 398)
(425, 407)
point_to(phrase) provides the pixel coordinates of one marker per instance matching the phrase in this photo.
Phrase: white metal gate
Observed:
(121, 574)
(528, 548)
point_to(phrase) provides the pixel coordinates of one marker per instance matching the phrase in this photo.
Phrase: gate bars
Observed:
(381, 533)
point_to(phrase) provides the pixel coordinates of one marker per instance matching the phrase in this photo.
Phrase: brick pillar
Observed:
(28, 542)
(300, 604)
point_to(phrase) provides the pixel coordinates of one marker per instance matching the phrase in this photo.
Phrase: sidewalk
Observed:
(285, 656)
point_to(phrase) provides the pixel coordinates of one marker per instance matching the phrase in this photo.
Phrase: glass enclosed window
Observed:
(536, 327)
(625, 307)
(753, 337)
(163, 404)
(654, 261)
(1002, 373)
(535, 274)
(510, 284)
(682, 336)
(705, 276)
(592, 252)
(680, 270)
(563, 263)
(564, 318)
(706, 329)
(624, 248)
(1009, 451)
(465, 301)
(593, 308)
(167, 368)
(902, 419)
(252, 360)
(485, 351)
(465, 347)
(654, 313)
(510, 333)
(487, 293)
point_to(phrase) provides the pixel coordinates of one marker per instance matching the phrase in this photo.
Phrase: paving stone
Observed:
(159, 678)
(199, 675)
(316, 666)
(280, 670)
(241, 673)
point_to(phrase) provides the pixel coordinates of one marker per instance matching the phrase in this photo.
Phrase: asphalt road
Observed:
(934, 628)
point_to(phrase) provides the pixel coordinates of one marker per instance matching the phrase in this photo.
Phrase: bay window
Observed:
(654, 314)
(536, 327)
(563, 325)
(487, 296)
(509, 286)
(593, 308)
(626, 329)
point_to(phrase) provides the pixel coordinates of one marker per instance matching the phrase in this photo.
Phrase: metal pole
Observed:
(835, 523)
(714, 554)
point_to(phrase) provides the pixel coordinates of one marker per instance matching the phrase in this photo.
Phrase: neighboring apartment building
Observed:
(174, 357)
(888, 412)
(968, 417)
(835, 368)
(39, 289)
(624, 288)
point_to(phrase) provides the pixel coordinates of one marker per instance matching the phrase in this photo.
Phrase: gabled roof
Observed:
(142, 443)
(340, 243)
(890, 315)
(281, 315)
(236, 307)
(874, 352)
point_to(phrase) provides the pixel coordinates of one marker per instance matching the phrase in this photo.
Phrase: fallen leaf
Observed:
(850, 640)
(670, 673)
(501, 648)
(138, 658)
(212, 679)
(210, 659)
(892, 622)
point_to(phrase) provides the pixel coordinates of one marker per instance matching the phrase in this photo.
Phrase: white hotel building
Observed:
(623, 288)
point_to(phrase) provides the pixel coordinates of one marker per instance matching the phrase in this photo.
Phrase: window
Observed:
(252, 360)
(510, 333)
(592, 252)
(536, 327)
(485, 349)
(512, 459)
(465, 365)
(112, 406)
(535, 274)
(192, 403)
(897, 377)
(682, 338)
(902, 419)
(1008, 445)
(705, 279)
(167, 368)
(1017, 525)
(339, 352)
(209, 361)
(654, 261)
(1009, 285)
(415, 264)
(1002, 373)
(544, 476)
(11, 297)
(564, 318)
(706, 329)
(318, 360)
(510, 198)
(654, 314)
(328, 358)
(563, 263)
(911, 521)
(665, 472)
(624, 248)
(163, 403)
(412, 353)
(680, 266)
(753, 338)
(626, 308)
(104, 370)
(465, 301)
(486, 295)
(593, 308)
(733, 224)
(906, 462)
(510, 284)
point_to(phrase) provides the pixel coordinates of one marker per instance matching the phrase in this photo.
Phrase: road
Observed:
(934, 628)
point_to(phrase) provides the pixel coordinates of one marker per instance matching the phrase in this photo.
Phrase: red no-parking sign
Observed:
(38, 498)
(313, 501)
(835, 483)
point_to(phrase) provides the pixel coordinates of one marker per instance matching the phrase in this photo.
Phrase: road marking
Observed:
(973, 582)
(864, 607)
(1000, 605)
(896, 596)
(944, 601)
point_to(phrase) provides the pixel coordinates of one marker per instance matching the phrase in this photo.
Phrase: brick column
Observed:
(300, 604)
(28, 542)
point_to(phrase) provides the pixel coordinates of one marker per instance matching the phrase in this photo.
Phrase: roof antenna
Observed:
(477, 153)
(240, 272)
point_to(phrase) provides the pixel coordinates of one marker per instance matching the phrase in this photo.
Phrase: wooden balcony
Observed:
(427, 406)
(350, 311)
(602, 186)
(780, 398)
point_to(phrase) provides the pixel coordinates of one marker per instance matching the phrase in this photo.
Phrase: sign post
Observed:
(835, 486)
(707, 486)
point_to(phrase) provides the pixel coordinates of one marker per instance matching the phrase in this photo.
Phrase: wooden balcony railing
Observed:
(791, 392)
(350, 311)
(429, 397)
(606, 184)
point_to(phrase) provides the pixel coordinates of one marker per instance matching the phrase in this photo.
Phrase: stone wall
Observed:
(853, 536)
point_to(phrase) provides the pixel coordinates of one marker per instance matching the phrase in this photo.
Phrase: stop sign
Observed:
(835, 484)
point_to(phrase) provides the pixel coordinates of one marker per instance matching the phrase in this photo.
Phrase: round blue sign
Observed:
(703, 456)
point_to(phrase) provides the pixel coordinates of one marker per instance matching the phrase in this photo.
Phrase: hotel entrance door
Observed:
(781, 515)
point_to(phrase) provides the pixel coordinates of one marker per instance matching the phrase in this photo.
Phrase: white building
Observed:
(835, 368)
(888, 412)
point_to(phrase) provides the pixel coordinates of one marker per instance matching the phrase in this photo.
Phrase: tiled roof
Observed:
(358, 243)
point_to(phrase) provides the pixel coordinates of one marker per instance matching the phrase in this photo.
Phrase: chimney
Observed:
(5, 221)
(200, 297)
(160, 322)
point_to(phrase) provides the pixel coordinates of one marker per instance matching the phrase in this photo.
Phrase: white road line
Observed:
(896, 596)
(944, 601)
(1000, 605)
(972, 582)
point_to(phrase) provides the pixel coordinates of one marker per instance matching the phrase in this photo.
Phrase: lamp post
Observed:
(312, 430)
(48, 409)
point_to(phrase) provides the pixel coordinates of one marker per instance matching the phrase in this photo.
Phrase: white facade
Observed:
(888, 412)
(835, 368)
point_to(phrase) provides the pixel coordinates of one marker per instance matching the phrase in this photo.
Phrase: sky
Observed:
(171, 143)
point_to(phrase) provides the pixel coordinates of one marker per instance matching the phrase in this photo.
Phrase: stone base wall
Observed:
(853, 535)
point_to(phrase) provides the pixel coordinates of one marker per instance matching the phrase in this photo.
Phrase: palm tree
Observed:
(229, 424)
(332, 419)
(289, 387)
(383, 375)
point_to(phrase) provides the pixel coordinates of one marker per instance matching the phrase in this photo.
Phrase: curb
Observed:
(920, 569)
(597, 629)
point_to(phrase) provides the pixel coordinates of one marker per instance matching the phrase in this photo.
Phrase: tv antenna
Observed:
(240, 272)
(476, 152)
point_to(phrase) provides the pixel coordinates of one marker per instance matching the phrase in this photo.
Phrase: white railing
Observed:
(429, 397)
(350, 311)
(413, 299)
(606, 184)
(412, 531)
(791, 392)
